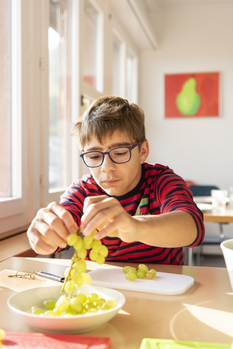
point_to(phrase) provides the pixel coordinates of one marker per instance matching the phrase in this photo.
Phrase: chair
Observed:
(205, 190)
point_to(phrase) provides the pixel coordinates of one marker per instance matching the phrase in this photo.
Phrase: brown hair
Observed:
(108, 114)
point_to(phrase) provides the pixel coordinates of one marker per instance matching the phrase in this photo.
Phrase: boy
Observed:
(143, 212)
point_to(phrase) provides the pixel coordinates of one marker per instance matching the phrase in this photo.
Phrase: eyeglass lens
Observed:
(117, 155)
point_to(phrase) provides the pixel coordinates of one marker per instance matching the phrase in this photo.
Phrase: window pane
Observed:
(131, 77)
(5, 114)
(91, 29)
(59, 37)
(117, 68)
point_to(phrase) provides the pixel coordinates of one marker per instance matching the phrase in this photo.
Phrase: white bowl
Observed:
(21, 303)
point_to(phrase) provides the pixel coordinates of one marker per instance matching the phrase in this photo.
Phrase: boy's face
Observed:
(118, 179)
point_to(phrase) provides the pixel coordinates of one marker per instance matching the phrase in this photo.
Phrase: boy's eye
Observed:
(94, 156)
(120, 152)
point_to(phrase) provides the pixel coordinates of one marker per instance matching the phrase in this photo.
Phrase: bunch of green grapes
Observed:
(75, 276)
(141, 272)
(78, 304)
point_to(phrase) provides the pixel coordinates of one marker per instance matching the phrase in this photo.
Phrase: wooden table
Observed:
(204, 313)
(225, 216)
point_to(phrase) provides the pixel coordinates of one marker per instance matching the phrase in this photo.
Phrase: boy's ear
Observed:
(144, 151)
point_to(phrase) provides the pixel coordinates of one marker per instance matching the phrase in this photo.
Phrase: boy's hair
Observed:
(108, 114)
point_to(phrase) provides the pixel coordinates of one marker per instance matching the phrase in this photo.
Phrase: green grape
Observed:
(69, 311)
(132, 269)
(62, 303)
(93, 297)
(69, 286)
(96, 244)
(131, 276)
(79, 243)
(76, 304)
(80, 266)
(111, 303)
(72, 239)
(143, 267)
(149, 275)
(100, 259)
(82, 252)
(141, 274)
(88, 305)
(78, 279)
(36, 310)
(103, 251)
(69, 272)
(86, 278)
(57, 312)
(92, 310)
(99, 303)
(81, 297)
(49, 313)
(49, 304)
(87, 242)
(126, 269)
(153, 271)
(93, 255)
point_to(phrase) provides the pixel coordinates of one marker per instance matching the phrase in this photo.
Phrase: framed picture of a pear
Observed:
(192, 95)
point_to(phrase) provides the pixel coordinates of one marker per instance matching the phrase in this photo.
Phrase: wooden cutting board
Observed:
(163, 283)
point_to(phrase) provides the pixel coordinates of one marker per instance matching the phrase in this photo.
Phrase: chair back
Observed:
(202, 190)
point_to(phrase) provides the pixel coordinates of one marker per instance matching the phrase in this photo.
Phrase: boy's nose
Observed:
(107, 163)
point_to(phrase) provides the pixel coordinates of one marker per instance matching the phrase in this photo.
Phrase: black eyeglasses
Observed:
(119, 155)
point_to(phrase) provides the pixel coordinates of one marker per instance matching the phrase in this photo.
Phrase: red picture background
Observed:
(207, 87)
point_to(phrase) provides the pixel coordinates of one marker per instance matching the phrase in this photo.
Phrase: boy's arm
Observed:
(173, 229)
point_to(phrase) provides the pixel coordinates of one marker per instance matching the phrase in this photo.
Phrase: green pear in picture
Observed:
(188, 101)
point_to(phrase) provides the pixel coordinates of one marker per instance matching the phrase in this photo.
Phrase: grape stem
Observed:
(71, 266)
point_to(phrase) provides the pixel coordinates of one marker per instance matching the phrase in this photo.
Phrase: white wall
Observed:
(195, 40)
(190, 40)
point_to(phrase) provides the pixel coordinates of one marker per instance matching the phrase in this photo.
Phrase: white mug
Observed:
(227, 250)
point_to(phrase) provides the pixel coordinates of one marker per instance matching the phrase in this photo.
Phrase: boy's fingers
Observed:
(66, 219)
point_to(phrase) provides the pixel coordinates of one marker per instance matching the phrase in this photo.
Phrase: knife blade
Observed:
(50, 276)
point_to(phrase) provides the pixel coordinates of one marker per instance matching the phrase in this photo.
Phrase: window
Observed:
(117, 67)
(124, 68)
(5, 110)
(59, 48)
(131, 76)
(13, 155)
(92, 46)
(52, 52)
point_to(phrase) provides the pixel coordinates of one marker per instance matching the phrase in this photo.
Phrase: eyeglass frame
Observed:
(108, 152)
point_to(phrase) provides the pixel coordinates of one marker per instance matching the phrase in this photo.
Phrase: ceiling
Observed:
(153, 5)
(133, 16)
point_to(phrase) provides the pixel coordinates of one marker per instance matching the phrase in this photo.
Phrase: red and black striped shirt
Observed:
(159, 190)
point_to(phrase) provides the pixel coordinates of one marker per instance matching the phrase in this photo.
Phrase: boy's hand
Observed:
(108, 216)
(50, 229)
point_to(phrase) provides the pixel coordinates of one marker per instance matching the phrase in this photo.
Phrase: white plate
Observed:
(205, 207)
(21, 303)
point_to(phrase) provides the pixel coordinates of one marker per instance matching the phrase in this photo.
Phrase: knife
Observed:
(50, 276)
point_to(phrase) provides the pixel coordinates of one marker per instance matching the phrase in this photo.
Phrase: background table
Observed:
(203, 313)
